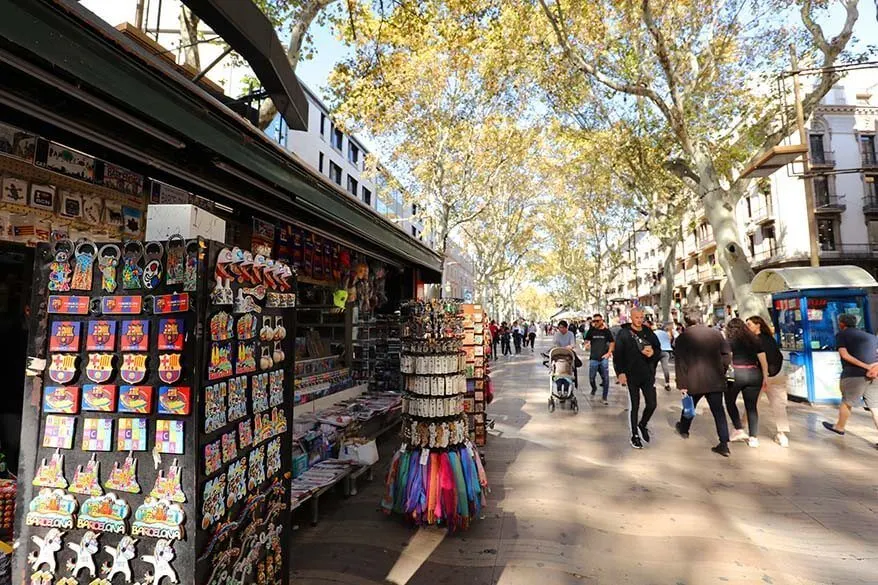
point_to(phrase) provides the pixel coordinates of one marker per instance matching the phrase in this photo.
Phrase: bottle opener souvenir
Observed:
(174, 400)
(58, 432)
(246, 361)
(176, 270)
(171, 332)
(101, 335)
(135, 399)
(122, 555)
(97, 434)
(133, 368)
(190, 278)
(246, 326)
(106, 513)
(168, 484)
(213, 506)
(214, 407)
(160, 559)
(172, 303)
(83, 266)
(108, 262)
(98, 398)
(85, 481)
(221, 327)
(131, 435)
(237, 482)
(132, 272)
(222, 293)
(213, 457)
(169, 369)
(124, 478)
(51, 508)
(68, 305)
(135, 335)
(51, 474)
(246, 304)
(61, 399)
(48, 546)
(59, 267)
(121, 305)
(65, 336)
(62, 368)
(220, 365)
(230, 446)
(100, 367)
(85, 550)
(257, 292)
(169, 436)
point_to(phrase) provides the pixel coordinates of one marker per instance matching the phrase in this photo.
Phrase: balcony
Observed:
(825, 202)
(762, 214)
(710, 273)
(822, 159)
(692, 275)
(706, 241)
(870, 160)
(851, 251)
(870, 204)
(767, 256)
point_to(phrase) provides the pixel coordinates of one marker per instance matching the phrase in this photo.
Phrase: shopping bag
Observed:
(362, 454)
(688, 407)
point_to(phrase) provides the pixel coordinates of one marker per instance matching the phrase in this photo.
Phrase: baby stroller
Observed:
(563, 379)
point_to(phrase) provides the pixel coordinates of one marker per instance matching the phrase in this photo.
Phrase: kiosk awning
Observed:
(806, 277)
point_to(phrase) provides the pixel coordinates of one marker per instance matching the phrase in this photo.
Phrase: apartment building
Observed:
(773, 217)
(458, 280)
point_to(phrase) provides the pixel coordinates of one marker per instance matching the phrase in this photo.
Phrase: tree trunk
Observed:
(667, 284)
(189, 38)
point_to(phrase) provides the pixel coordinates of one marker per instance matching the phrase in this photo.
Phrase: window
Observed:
(769, 236)
(871, 182)
(353, 186)
(335, 173)
(414, 232)
(414, 209)
(367, 196)
(323, 125)
(354, 154)
(826, 229)
(822, 197)
(320, 162)
(752, 245)
(867, 148)
(818, 154)
(873, 234)
(337, 138)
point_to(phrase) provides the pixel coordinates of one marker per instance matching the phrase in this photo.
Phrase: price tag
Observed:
(425, 456)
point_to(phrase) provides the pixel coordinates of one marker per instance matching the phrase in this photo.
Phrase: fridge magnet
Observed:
(42, 197)
(47, 547)
(51, 474)
(276, 388)
(135, 335)
(65, 336)
(108, 261)
(237, 482)
(101, 335)
(174, 400)
(278, 421)
(213, 457)
(59, 267)
(245, 304)
(132, 219)
(171, 334)
(83, 265)
(61, 399)
(122, 305)
(220, 365)
(106, 513)
(133, 368)
(246, 361)
(98, 398)
(100, 367)
(124, 478)
(280, 332)
(51, 508)
(222, 293)
(246, 326)
(68, 305)
(85, 551)
(92, 209)
(230, 448)
(260, 392)
(42, 578)
(14, 191)
(168, 484)
(245, 433)
(97, 434)
(62, 368)
(261, 428)
(132, 272)
(152, 271)
(176, 269)
(190, 277)
(122, 555)
(266, 333)
(265, 361)
(135, 399)
(237, 398)
(257, 468)
(169, 436)
(221, 327)
(257, 292)
(160, 559)
(172, 303)
(214, 407)
(131, 435)
(85, 480)
(169, 368)
(213, 505)
(274, 460)
(58, 432)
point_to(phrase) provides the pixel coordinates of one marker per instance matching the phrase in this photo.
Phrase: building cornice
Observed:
(846, 109)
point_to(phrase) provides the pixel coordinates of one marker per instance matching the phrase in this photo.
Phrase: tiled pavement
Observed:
(572, 502)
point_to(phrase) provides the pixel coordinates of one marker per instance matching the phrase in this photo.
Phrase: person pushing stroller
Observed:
(564, 363)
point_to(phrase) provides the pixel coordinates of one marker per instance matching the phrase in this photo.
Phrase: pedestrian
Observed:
(750, 378)
(701, 357)
(532, 335)
(599, 342)
(495, 337)
(517, 336)
(504, 339)
(664, 337)
(777, 388)
(859, 368)
(634, 358)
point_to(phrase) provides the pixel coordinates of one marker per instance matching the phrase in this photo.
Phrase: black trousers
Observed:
(715, 401)
(505, 344)
(649, 401)
(751, 400)
(494, 347)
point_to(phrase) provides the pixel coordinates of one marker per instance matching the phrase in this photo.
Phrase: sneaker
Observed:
(680, 431)
(593, 392)
(753, 442)
(739, 435)
(605, 402)
(667, 387)
(636, 442)
(782, 440)
(721, 449)
(831, 427)
(644, 432)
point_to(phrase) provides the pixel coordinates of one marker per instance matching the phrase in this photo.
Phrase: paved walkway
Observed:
(572, 502)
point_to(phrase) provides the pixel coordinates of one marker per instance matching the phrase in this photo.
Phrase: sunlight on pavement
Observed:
(419, 549)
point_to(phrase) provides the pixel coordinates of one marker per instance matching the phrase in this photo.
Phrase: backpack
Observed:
(773, 356)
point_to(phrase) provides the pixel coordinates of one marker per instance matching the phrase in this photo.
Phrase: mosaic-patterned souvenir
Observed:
(246, 326)
(213, 506)
(134, 335)
(63, 367)
(59, 267)
(213, 457)
(65, 336)
(131, 435)
(245, 433)
(261, 428)
(237, 398)
(97, 434)
(47, 546)
(170, 368)
(176, 270)
(169, 436)
(174, 400)
(160, 559)
(58, 432)
(122, 555)
(222, 327)
(152, 271)
(135, 399)
(98, 398)
(51, 474)
(257, 468)
(85, 480)
(259, 392)
(220, 365)
(229, 446)
(171, 334)
(124, 478)
(85, 551)
(214, 407)
(168, 484)
(278, 421)
(237, 482)
(108, 261)
(106, 513)
(246, 361)
(132, 272)
(100, 367)
(83, 265)
(61, 399)
(190, 278)
(101, 335)
(276, 388)
(273, 462)
(133, 369)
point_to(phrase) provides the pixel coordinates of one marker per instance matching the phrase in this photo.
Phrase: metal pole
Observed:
(138, 15)
(806, 164)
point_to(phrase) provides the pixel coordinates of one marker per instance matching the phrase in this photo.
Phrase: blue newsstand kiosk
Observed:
(805, 305)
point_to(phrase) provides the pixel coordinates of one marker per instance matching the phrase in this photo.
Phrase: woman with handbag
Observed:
(777, 388)
(750, 378)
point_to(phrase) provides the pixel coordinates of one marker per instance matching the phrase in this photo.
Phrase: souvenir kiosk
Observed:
(805, 305)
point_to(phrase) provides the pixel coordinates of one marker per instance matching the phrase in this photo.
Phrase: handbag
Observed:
(688, 407)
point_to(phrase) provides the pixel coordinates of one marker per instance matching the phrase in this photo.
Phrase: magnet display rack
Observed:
(476, 371)
(162, 533)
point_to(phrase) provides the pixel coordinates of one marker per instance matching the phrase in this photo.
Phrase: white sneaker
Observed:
(782, 440)
(739, 435)
(753, 442)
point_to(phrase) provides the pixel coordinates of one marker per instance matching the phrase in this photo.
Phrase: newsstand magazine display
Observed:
(156, 438)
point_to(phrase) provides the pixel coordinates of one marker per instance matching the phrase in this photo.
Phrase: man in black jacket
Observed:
(635, 357)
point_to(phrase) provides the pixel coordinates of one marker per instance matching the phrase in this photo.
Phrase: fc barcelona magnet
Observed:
(169, 367)
(100, 367)
(133, 368)
(135, 335)
(101, 335)
(62, 368)
(171, 334)
(65, 336)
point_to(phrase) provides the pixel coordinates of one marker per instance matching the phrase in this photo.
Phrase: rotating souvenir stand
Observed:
(436, 477)
(476, 371)
(115, 481)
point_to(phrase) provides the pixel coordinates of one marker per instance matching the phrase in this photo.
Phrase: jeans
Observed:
(749, 383)
(563, 385)
(715, 401)
(635, 387)
(601, 366)
(665, 361)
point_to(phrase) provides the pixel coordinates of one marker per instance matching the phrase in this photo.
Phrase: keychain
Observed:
(59, 268)
(222, 293)
(131, 269)
(108, 260)
(190, 277)
(176, 269)
(152, 272)
(83, 266)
